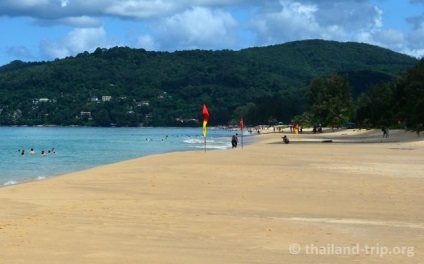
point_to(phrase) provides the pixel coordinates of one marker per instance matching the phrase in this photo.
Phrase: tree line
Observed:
(396, 104)
(136, 87)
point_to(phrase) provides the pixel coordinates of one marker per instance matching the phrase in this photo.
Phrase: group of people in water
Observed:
(43, 152)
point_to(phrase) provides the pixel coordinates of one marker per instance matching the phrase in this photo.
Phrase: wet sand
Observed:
(357, 199)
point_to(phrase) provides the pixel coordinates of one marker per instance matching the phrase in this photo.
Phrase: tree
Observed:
(331, 100)
(102, 118)
(398, 102)
(408, 99)
(374, 106)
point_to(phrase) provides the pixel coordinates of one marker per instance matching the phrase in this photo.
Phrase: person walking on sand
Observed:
(385, 132)
(419, 127)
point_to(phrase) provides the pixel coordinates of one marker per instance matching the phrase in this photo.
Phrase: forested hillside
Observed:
(131, 87)
(399, 103)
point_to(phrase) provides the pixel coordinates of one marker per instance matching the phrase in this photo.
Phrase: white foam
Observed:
(199, 141)
(194, 141)
(10, 183)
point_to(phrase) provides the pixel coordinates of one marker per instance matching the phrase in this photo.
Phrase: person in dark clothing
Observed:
(234, 141)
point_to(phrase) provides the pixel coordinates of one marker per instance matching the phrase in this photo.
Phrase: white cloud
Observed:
(364, 37)
(416, 53)
(140, 9)
(391, 37)
(20, 52)
(21, 4)
(82, 21)
(147, 42)
(416, 22)
(416, 37)
(211, 24)
(337, 20)
(197, 28)
(129, 9)
(291, 21)
(77, 41)
(79, 22)
(64, 3)
(351, 15)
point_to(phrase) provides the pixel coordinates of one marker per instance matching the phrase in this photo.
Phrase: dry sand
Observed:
(356, 200)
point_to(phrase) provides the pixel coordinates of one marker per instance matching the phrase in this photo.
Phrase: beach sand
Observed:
(358, 199)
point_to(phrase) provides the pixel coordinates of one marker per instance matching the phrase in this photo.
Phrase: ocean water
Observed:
(79, 148)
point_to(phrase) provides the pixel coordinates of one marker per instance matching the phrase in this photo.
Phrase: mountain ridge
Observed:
(175, 83)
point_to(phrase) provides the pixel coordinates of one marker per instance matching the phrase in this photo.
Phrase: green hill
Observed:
(398, 104)
(134, 86)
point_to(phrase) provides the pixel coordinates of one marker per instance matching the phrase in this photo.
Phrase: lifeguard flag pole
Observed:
(241, 129)
(205, 121)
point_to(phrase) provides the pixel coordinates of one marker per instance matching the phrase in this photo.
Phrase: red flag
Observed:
(241, 124)
(205, 119)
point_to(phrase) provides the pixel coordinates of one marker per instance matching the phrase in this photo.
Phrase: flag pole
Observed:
(241, 129)
(242, 139)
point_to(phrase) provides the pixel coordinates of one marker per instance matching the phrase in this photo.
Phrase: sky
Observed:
(44, 30)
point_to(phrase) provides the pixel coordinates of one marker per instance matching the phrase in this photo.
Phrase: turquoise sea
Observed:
(79, 148)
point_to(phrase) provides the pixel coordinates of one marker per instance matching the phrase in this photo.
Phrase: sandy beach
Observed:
(356, 199)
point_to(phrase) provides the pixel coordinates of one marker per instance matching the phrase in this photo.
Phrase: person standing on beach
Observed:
(234, 141)
(419, 127)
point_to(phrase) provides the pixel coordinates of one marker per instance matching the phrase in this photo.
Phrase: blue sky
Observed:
(43, 30)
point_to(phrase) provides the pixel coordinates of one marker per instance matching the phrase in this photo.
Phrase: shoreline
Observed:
(250, 205)
(22, 169)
